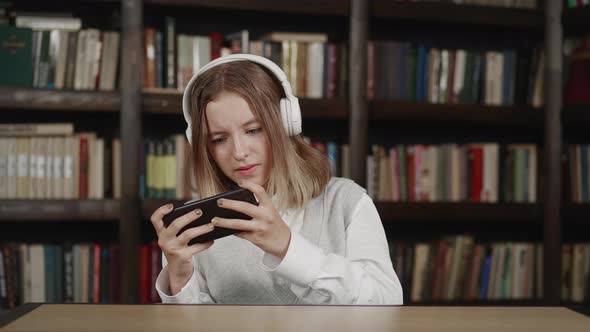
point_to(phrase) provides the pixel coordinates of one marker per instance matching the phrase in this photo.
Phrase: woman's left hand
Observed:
(267, 230)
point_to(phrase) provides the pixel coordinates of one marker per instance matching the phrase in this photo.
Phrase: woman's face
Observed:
(237, 140)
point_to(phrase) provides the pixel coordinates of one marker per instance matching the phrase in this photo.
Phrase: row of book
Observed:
(50, 161)
(163, 168)
(531, 4)
(165, 164)
(57, 273)
(577, 166)
(575, 272)
(453, 173)
(35, 56)
(402, 71)
(458, 268)
(577, 3)
(314, 67)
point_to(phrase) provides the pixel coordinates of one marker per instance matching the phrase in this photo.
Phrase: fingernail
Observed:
(220, 202)
(214, 221)
(198, 212)
(211, 225)
(169, 206)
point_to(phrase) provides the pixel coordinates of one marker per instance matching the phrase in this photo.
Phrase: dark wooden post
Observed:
(358, 119)
(131, 71)
(552, 169)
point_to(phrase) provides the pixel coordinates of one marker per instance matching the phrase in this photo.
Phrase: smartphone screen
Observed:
(210, 209)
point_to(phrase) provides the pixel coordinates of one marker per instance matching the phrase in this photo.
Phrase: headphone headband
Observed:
(290, 111)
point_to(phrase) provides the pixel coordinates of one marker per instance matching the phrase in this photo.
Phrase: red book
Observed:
(144, 273)
(216, 39)
(439, 269)
(411, 174)
(332, 74)
(476, 173)
(83, 177)
(96, 275)
(578, 84)
(155, 268)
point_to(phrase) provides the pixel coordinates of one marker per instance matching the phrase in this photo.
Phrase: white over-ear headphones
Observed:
(289, 106)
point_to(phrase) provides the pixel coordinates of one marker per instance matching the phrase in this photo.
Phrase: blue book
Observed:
(332, 151)
(485, 276)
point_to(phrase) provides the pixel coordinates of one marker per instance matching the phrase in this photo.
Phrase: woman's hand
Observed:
(267, 230)
(176, 249)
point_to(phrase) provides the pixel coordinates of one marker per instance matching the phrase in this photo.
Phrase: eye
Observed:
(253, 131)
(218, 140)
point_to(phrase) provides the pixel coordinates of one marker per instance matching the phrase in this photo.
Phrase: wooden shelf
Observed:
(471, 114)
(576, 115)
(58, 100)
(58, 210)
(429, 12)
(458, 212)
(316, 7)
(576, 213)
(170, 102)
(576, 18)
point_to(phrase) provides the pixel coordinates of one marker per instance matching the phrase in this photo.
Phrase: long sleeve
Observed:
(195, 290)
(364, 275)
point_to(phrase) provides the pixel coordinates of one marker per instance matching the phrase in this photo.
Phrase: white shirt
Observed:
(364, 275)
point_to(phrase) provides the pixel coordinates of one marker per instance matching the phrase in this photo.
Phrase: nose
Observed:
(240, 149)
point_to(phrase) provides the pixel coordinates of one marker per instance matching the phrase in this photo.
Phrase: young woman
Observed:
(313, 239)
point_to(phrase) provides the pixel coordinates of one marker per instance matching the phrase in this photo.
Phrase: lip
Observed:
(247, 170)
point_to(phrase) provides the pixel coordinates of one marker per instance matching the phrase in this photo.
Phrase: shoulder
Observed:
(342, 187)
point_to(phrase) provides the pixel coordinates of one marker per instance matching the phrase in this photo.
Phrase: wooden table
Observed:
(160, 317)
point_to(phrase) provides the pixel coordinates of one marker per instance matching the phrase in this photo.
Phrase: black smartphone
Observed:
(210, 209)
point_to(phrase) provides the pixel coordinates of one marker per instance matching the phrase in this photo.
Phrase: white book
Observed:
(37, 255)
(25, 271)
(459, 74)
(110, 61)
(80, 76)
(93, 50)
(61, 44)
(33, 177)
(12, 166)
(433, 75)
(420, 270)
(71, 143)
(49, 159)
(532, 174)
(315, 70)
(48, 22)
(41, 167)
(58, 168)
(4, 168)
(179, 142)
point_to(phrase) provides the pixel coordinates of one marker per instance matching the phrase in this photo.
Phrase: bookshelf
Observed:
(130, 103)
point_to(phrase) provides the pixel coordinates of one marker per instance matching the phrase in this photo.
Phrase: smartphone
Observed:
(210, 209)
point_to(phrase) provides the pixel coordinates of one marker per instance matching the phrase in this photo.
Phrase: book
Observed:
(16, 56)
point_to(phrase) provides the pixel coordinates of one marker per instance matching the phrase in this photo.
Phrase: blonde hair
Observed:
(298, 173)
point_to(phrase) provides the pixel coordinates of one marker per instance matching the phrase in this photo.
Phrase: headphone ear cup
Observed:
(286, 115)
(189, 133)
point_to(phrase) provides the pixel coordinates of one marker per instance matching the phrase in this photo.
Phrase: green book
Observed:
(16, 56)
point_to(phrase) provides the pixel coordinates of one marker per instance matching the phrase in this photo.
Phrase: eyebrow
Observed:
(243, 125)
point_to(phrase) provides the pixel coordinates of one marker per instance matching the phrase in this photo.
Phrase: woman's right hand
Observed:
(179, 254)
